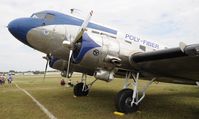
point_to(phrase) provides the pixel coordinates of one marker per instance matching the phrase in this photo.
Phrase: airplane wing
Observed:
(174, 65)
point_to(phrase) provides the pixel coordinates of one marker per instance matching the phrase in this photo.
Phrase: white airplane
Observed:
(76, 45)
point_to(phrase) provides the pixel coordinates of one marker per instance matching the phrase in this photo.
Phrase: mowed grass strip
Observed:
(14, 104)
(163, 100)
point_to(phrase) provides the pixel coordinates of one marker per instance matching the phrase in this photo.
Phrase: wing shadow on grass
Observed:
(176, 105)
(100, 104)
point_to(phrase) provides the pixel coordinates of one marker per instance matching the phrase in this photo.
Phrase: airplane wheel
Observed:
(123, 101)
(78, 90)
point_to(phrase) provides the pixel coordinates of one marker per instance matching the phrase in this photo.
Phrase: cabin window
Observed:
(142, 47)
(128, 42)
(107, 35)
(113, 37)
(96, 32)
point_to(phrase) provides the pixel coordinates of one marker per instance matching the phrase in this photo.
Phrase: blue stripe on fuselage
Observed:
(20, 27)
(70, 20)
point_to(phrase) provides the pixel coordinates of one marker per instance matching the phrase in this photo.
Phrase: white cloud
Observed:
(166, 21)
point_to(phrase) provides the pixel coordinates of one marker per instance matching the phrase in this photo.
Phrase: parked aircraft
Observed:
(72, 44)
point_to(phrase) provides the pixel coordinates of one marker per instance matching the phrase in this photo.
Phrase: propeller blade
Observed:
(69, 62)
(47, 57)
(70, 44)
(3, 26)
(83, 27)
(46, 69)
(44, 57)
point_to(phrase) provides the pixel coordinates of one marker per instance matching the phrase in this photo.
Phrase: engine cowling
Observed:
(97, 52)
(104, 75)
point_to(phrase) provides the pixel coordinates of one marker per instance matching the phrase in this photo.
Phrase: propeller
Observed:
(70, 43)
(47, 57)
(3, 26)
(68, 65)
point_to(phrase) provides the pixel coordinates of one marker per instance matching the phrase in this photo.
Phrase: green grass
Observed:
(163, 100)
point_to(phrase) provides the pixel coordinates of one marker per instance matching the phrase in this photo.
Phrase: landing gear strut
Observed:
(82, 89)
(127, 100)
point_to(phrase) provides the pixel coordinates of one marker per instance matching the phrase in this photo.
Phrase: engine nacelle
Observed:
(96, 51)
(113, 60)
(104, 75)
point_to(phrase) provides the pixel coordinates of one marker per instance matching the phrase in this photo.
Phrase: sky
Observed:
(165, 21)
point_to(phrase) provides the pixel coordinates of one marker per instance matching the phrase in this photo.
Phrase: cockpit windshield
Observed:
(46, 16)
(38, 15)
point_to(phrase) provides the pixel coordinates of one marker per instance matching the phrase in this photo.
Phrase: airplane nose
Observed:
(13, 26)
(20, 27)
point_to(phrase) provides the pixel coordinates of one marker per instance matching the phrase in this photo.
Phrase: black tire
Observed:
(123, 101)
(78, 90)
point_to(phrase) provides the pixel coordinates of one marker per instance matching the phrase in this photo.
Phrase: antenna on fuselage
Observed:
(73, 10)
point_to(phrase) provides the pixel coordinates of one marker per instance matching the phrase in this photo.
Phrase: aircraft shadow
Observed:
(173, 105)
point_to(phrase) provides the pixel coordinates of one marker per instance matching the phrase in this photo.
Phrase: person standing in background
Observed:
(9, 78)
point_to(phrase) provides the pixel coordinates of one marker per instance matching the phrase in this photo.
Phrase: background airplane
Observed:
(75, 45)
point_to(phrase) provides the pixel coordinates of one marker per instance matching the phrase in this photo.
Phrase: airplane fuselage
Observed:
(76, 45)
(101, 48)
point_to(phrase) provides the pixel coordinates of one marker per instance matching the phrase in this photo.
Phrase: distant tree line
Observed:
(13, 72)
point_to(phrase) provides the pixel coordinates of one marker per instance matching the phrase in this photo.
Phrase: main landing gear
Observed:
(127, 100)
(82, 88)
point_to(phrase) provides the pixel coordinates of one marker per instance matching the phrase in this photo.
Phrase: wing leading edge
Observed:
(175, 65)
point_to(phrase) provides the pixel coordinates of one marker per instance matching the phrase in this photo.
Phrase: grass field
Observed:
(163, 101)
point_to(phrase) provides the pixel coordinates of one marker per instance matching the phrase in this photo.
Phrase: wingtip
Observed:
(197, 83)
(182, 46)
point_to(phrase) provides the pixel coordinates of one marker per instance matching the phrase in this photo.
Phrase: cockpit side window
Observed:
(38, 15)
(49, 16)
(46, 16)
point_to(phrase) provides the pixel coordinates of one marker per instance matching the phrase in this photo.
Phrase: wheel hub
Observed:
(128, 102)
